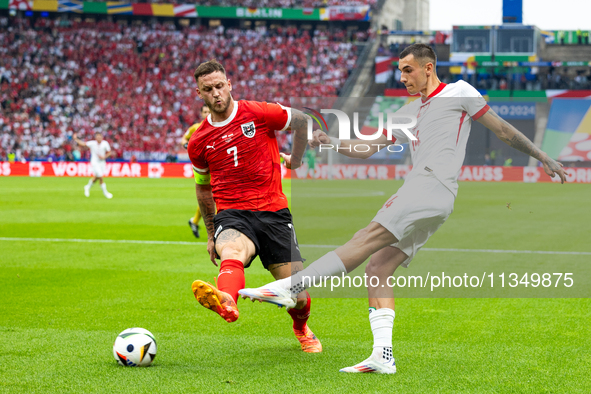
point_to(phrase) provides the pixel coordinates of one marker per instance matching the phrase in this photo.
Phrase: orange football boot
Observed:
(309, 342)
(218, 301)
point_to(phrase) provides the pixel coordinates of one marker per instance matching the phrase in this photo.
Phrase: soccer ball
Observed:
(135, 347)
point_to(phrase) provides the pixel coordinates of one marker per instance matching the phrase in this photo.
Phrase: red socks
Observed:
(231, 277)
(300, 316)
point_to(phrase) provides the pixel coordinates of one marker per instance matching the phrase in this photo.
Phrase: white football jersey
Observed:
(97, 149)
(443, 125)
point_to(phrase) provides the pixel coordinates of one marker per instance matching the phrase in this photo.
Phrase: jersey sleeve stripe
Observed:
(478, 114)
(288, 110)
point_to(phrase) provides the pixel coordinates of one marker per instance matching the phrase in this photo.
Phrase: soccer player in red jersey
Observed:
(236, 162)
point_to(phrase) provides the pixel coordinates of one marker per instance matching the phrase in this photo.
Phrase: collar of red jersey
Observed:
(227, 121)
(435, 92)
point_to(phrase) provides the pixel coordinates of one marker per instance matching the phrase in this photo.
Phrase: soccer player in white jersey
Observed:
(99, 151)
(423, 203)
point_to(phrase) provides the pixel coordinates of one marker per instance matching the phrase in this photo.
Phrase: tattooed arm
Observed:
(207, 207)
(514, 138)
(299, 131)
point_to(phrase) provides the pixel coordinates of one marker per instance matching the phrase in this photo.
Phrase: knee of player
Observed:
(231, 252)
(371, 269)
(377, 269)
(234, 251)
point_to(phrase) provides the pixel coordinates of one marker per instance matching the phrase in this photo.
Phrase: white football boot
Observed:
(372, 365)
(270, 293)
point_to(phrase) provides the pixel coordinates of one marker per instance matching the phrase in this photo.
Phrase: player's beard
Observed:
(220, 108)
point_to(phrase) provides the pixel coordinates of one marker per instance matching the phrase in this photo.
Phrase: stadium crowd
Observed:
(135, 83)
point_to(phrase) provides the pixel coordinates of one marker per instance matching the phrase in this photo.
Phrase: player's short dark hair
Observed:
(423, 53)
(98, 133)
(208, 67)
(202, 107)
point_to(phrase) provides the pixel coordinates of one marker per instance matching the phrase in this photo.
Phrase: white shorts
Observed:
(98, 169)
(415, 212)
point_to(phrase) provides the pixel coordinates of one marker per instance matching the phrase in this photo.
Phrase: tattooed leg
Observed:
(232, 244)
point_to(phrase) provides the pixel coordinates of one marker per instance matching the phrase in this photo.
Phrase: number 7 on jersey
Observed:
(235, 151)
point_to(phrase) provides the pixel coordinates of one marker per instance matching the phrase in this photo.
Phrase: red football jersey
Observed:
(242, 156)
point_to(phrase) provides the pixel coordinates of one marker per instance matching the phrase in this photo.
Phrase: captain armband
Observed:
(201, 179)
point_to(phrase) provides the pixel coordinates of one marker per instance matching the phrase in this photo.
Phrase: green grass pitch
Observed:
(63, 303)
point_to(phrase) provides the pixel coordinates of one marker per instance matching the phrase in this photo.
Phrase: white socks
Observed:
(104, 187)
(328, 265)
(382, 322)
(90, 183)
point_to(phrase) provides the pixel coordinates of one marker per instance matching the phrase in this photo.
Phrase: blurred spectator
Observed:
(171, 157)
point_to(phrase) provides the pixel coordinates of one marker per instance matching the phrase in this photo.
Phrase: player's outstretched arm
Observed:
(348, 147)
(515, 139)
(78, 141)
(207, 207)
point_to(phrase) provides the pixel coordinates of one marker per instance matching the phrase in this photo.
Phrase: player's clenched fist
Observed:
(289, 163)
(319, 137)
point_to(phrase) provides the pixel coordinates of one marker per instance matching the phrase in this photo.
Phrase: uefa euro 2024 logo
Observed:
(402, 122)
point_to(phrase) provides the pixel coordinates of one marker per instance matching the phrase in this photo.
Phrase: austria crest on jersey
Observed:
(248, 129)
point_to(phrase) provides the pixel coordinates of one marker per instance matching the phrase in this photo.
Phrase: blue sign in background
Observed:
(514, 110)
(512, 11)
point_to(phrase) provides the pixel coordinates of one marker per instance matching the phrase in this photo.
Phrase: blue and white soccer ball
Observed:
(135, 347)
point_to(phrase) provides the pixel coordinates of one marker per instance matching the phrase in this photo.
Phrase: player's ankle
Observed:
(382, 353)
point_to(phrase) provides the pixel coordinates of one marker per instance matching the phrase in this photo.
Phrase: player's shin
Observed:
(300, 316)
(308, 341)
(382, 322)
(231, 277)
(105, 192)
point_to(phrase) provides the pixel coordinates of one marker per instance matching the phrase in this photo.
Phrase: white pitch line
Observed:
(131, 241)
(106, 241)
(506, 251)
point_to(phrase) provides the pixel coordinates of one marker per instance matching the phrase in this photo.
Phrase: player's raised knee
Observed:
(372, 269)
(233, 251)
(232, 244)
